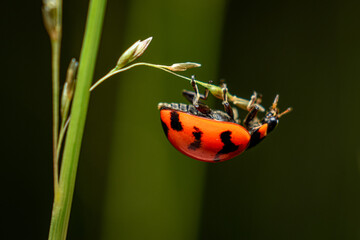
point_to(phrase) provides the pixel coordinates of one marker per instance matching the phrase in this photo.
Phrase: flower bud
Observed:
(50, 12)
(176, 67)
(69, 86)
(133, 52)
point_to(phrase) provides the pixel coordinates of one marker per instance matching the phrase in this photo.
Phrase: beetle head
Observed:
(273, 115)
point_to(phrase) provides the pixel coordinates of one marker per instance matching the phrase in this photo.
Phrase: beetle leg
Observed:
(255, 99)
(236, 115)
(194, 97)
(259, 98)
(225, 102)
(251, 121)
(189, 95)
(252, 101)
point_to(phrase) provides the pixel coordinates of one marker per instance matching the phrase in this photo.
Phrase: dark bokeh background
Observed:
(302, 182)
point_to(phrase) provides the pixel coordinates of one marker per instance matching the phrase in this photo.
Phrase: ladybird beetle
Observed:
(212, 135)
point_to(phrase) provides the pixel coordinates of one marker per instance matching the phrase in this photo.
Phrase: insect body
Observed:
(212, 135)
(202, 138)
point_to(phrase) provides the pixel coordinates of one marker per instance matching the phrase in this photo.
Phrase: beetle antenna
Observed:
(276, 100)
(285, 112)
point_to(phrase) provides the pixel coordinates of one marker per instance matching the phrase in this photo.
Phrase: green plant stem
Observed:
(63, 128)
(161, 67)
(55, 47)
(62, 202)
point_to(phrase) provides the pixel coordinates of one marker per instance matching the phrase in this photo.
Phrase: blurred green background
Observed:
(302, 182)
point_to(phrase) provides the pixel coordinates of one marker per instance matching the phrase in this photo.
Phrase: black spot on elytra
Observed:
(175, 122)
(255, 139)
(166, 129)
(229, 146)
(197, 142)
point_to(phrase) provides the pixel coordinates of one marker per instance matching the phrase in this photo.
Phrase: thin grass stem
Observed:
(63, 128)
(161, 67)
(55, 46)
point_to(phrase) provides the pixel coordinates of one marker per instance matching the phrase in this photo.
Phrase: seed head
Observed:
(133, 52)
(176, 67)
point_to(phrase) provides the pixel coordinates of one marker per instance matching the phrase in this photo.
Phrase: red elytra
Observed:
(202, 138)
